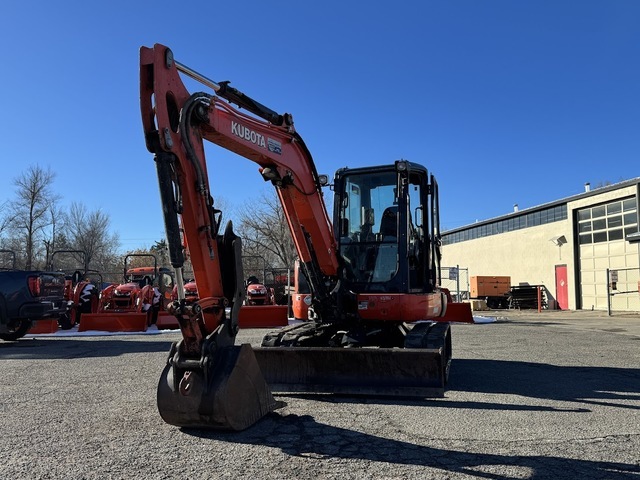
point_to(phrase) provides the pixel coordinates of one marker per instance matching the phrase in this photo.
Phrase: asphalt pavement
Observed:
(532, 395)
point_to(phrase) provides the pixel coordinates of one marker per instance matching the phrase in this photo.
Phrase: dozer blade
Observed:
(263, 316)
(113, 322)
(49, 325)
(166, 321)
(230, 394)
(457, 312)
(411, 372)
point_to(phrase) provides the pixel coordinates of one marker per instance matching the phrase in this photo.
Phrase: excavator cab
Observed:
(380, 212)
(390, 334)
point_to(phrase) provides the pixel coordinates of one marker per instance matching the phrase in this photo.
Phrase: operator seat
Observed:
(389, 224)
(387, 255)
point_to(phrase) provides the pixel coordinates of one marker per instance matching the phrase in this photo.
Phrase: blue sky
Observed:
(504, 101)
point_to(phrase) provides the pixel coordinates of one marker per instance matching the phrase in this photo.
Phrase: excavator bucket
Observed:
(113, 322)
(263, 316)
(228, 393)
(354, 371)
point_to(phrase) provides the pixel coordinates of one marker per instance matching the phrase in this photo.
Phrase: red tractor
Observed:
(80, 292)
(190, 292)
(134, 304)
(258, 293)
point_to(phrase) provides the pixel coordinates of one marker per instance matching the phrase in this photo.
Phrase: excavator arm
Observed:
(176, 123)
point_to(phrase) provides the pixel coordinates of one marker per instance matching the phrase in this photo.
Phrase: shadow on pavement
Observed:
(302, 436)
(588, 385)
(84, 347)
(584, 385)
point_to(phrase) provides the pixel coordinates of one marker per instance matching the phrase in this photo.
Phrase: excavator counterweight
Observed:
(377, 320)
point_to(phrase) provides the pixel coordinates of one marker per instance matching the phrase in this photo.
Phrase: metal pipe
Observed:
(290, 291)
(608, 294)
(179, 283)
(197, 76)
(237, 97)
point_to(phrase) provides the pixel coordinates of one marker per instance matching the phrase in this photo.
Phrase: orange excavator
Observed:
(378, 320)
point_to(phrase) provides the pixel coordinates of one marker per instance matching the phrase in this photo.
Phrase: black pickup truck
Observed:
(26, 296)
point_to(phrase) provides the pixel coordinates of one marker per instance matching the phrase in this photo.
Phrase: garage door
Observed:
(601, 231)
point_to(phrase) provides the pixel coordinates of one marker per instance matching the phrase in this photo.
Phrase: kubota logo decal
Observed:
(256, 138)
(248, 134)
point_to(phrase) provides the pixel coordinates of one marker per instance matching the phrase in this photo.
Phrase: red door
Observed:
(562, 289)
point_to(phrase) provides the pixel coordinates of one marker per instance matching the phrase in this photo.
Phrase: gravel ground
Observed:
(531, 396)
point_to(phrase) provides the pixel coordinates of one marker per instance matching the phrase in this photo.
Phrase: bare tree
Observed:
(265, 231)
(5, 220)
(29, 211)
(89, 232)
(56, 239)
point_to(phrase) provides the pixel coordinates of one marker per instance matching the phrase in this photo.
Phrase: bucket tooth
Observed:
(229, 393)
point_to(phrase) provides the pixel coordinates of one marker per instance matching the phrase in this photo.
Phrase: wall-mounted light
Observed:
(559, 240)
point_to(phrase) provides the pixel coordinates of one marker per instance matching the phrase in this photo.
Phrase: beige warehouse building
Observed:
(569, 247)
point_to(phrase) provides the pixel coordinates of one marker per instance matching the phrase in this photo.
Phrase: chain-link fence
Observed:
(254, 266)
(623, 285)
(106, 277)
(456, 280)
